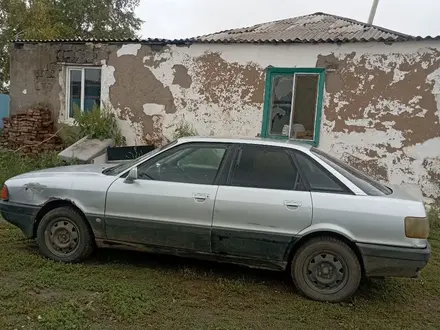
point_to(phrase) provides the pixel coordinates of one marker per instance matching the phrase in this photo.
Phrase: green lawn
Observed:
(126, 290)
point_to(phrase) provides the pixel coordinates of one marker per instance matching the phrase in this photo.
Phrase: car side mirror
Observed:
(132, 175)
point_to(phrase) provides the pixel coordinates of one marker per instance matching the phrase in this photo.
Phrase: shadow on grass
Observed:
(378, 290)
(369, 289)
(176, 264)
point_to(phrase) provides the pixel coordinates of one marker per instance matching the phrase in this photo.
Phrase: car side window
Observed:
(265, 167)
(319, 178)
(192, 164)
(206, 156)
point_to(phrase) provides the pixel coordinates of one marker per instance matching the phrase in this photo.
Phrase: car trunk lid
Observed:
(406, 192)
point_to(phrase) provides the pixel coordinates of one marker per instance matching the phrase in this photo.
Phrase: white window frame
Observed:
(69, 69)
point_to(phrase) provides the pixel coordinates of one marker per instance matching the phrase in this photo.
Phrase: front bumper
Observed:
(388, 261)
(20, 215)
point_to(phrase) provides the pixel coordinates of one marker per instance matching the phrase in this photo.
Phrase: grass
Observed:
(128, 290)
(434, 217)
(118, 289)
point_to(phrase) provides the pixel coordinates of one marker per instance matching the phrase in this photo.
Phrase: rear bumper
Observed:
(387, 261)
(20, 215)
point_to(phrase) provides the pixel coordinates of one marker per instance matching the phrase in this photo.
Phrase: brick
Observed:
(28, 130)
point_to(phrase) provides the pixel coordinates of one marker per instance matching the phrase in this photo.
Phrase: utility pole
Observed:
(373, 11)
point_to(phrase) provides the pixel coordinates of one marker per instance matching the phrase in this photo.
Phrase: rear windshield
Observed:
(363, 181)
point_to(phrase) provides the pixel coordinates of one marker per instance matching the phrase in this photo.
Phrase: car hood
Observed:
(75, 170)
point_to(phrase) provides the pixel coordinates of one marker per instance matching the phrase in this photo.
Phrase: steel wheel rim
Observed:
(326, 272)
(62, 237)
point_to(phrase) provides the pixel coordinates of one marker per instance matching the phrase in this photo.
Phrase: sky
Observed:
(173, 19)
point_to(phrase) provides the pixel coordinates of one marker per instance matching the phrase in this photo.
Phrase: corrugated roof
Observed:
(313, 28)
(98, 40)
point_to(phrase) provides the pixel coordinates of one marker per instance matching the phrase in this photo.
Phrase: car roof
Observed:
(247, 140)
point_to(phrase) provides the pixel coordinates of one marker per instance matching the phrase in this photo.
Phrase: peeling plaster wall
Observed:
(381, 104)
(38, 72)
(155, 88)
(381, 112)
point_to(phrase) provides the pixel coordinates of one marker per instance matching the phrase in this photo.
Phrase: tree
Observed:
(52, 19)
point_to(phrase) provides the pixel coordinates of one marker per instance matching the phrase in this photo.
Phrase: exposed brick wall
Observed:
(28, 130)
(37, 69)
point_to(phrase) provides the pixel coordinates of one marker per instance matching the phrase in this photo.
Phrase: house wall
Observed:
(38, 72)
(381, 104)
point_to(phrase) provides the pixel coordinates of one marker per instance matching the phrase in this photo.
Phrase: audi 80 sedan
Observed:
(277, 205)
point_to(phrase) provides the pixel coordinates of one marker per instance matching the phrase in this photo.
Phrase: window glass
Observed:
(317, 176)
(208, 157)
(115, 170)
(281, 106)
(304, 106)
(75, 91)
(294, 99)
(92, 88)
(84, 97)
(189, 165)
(264, 167)
(363, 181)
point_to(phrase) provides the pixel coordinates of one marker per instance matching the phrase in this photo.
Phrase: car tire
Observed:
(63, 235)
(326, 269)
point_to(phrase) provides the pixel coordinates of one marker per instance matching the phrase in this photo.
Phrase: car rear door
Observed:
(262, 205)
(171, 203)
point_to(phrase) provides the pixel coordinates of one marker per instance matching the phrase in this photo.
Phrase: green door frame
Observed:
(270, 73)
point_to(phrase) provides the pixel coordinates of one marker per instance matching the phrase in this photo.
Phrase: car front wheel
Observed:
(326, 269)
(63, 235)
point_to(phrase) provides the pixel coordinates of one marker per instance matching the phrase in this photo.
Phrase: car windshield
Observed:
(363, 181)
(115, 170)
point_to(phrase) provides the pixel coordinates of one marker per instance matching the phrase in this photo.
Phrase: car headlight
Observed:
(416, 227)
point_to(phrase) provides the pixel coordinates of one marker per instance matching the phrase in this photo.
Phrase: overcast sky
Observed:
(189, 18)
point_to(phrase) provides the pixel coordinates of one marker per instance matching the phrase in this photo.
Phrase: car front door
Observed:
(262, 206)
(171, 202)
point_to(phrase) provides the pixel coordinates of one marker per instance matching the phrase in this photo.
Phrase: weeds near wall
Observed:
(434, 216)
(99, 123)
(68, 134)
(184, 129)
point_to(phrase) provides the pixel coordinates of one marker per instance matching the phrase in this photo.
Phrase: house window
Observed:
(292, 104)
(83, 89)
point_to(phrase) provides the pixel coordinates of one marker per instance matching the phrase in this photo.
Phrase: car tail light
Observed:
(5, 193)
(417, 227)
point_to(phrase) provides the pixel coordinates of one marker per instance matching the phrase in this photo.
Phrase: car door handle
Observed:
(200, 198)
(292, 205)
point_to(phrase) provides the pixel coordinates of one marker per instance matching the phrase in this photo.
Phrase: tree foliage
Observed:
(51, 19)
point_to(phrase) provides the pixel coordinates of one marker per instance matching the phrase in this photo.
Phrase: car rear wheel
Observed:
(63, 235)
(326, 269)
